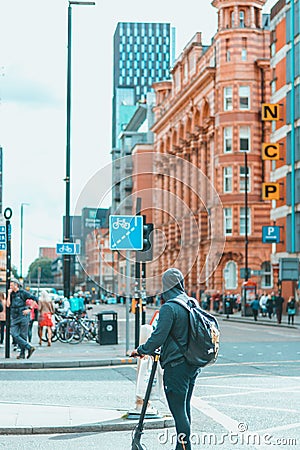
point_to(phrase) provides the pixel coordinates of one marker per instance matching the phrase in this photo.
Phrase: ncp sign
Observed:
(270, 191)
(270, 152)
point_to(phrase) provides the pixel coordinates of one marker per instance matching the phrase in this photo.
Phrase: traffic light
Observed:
(146, 254)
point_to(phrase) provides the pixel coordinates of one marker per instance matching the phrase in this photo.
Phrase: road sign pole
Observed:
(127, 299)
(7, 215)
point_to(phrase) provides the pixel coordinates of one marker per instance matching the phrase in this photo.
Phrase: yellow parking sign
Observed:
(270, 151)
(270, 111)
(270, 191)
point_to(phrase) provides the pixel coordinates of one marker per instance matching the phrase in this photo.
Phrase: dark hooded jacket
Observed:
(172, 318)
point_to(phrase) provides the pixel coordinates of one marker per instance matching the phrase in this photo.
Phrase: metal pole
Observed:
(244, 297)
(292, 59)
(100, 269)
(21, 244)
(127, 299)
(7, 215)
(39, 281)
(246, 216)
(67, 258)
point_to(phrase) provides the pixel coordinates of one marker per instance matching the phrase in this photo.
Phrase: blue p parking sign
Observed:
(125, 232)
(270, 234)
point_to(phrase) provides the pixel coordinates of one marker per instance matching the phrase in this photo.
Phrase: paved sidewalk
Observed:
(237, 317)
(19, 418)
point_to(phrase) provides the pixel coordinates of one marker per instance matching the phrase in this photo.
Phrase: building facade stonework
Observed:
(208, 115)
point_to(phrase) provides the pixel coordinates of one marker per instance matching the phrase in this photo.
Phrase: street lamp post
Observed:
(244, 298)
(100, 243)
(67, 258)
(21, 239)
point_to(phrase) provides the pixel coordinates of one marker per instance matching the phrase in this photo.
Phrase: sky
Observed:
(33, 68)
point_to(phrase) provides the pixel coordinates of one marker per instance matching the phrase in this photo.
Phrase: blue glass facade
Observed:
(143, 54)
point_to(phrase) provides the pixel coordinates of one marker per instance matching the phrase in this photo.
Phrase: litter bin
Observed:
(107, 327)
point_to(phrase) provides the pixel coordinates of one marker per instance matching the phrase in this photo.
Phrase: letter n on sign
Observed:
(270, 111)
(270, 191)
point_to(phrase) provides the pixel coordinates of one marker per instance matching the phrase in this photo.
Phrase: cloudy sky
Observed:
(33, 57)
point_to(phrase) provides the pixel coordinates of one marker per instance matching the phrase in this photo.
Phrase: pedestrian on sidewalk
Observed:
(179, 377)
(33, 316)
(263, 304)
(2, 316)
(279, 300)
(291, 309)
(255, 307)
(269, 306)
(20, 312)
(46, 311)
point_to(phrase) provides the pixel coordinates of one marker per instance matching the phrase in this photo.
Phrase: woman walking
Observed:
(46, 310)
(291, 310)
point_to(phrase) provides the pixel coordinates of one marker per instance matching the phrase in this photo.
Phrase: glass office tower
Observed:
(143, 54)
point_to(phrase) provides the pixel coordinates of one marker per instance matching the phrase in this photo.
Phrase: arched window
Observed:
(230, 275)
(267, 275)
(242, 19)
(232, 19)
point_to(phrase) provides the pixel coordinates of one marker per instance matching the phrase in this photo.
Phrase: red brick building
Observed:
(286, 130)
(208, 116)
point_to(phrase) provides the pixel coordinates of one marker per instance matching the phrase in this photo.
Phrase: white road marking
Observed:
(267, 408)
(227, 422)
(258, 363)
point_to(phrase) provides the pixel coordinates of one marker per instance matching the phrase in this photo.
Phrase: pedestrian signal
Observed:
(270, 111)
(270, 191)
(270, 152)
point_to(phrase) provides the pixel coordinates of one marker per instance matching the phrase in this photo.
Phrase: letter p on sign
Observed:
(270, 191)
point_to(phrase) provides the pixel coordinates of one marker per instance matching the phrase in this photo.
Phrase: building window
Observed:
(228, 99)
(242, 19)
(227, 139)
(227, 179)
(243, 221)
(232, 19)
(230, 275)
(244, 95)
(228, 221)
(267, 275)
(273, 86)
(244, 139)
(243, 179)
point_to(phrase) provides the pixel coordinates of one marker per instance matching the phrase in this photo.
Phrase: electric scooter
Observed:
(138, 431)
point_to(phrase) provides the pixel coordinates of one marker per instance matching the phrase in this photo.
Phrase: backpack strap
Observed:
(181, 302)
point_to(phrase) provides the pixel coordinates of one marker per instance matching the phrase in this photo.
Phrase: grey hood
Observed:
(173, 284)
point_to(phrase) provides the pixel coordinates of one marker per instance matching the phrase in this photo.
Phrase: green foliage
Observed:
(45, 270)
(14, 272)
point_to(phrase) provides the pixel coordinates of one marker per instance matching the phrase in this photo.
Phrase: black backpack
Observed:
(203, 337)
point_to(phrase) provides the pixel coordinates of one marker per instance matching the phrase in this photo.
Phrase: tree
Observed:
(14, 272)
(45, 270)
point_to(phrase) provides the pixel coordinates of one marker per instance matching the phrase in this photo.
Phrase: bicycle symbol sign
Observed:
(67, 248)
(125, 232)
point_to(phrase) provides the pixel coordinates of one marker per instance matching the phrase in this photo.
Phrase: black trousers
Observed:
(2, 328)
(179, 382)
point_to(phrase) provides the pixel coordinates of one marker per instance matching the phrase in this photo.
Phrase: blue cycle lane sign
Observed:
(2, 237)
(67, 248)
(125, 232)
